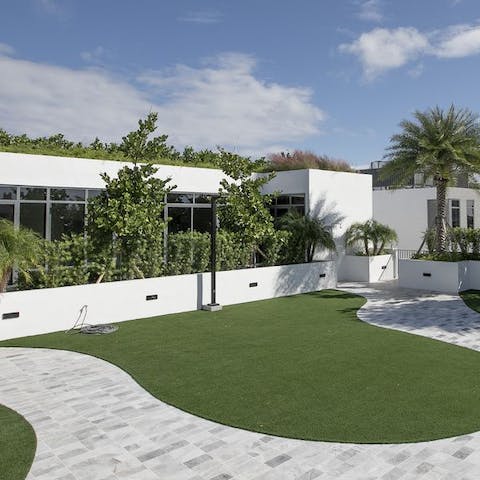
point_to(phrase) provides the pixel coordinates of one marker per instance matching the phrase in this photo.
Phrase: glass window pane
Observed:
(180, 219)
(431, 212)
(66, 218)
(6, 212)
(179, 198)
(8, 193)
(32, 215)
(202, 219)
(281, 211)
(73, 194)
(33, 193)
(283, 200)
(300, 209)
(94, 193)
(470, 214)
(298, 199)
(202, 198)
(455, 213)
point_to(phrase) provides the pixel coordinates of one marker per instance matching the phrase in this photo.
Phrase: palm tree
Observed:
(20, 248)
(441, 145)
(308, 233)
(369, 233)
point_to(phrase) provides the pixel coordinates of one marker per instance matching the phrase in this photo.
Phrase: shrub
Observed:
(187, 252)
(62, 263)
(300, 159)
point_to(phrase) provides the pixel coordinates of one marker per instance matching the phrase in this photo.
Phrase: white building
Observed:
(411, 211)
(50, 194)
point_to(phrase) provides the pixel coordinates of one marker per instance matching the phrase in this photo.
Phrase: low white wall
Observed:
(446, 277)
(56, 309)
(234, 286)
(358, 268)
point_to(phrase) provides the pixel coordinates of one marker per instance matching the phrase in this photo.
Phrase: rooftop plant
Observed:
(300, 159)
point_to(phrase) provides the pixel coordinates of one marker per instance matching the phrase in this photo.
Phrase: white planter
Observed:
(357, 268)
(446, 277)
(33, 312)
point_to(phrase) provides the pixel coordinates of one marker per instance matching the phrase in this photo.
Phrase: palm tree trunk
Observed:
(4, 280)
(441, 223)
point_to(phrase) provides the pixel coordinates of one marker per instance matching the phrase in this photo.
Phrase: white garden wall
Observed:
(56, 309)
(446, 277)
(358, 268)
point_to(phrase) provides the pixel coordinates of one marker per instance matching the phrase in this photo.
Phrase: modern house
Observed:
(50, 194)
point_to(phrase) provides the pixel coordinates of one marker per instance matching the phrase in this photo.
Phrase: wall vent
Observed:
(427, 274)
(8, 316)
(253, 284)
(323, 275)
(151, 297)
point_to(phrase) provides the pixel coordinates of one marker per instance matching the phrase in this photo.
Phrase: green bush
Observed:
(63, 262)
(187, 252)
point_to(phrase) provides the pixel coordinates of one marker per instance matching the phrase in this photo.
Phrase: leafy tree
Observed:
(242, 207)
(137, 146)
(20, 248)
(371, 235)
(441, 145)
(125, 222)
(307, 234)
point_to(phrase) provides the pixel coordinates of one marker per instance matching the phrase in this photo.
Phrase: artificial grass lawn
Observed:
(472, 299)
(301, 366)
(17, 445)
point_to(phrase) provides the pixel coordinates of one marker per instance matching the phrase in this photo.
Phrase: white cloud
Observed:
(459, 41)
(95, 56)
(6, 49)
(52, 7)
(371, 10)
(202, 17)
(220, 103)
(224, 102)
(382, 49)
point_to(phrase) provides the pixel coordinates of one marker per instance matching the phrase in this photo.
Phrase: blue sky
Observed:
(335, 77)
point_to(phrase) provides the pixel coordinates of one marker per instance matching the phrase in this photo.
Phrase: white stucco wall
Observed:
(405, 210)
(56, 309)
(45, 170)
(359, 268)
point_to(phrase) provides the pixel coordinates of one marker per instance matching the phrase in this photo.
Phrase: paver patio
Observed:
(93, 421)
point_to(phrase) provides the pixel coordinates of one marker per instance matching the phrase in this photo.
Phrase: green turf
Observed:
(301, 366)
(17, 445)
(472, 299)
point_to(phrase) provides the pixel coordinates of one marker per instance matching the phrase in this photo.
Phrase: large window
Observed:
(188, 212)
(283, 203)
(49, 211)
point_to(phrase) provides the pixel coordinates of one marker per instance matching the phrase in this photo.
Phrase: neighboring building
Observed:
(411, 210)
(50, 194)
(417, 181)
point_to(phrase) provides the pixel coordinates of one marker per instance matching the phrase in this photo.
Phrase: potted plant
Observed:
(367, 259)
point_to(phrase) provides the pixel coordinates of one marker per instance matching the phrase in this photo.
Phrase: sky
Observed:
(253, 76)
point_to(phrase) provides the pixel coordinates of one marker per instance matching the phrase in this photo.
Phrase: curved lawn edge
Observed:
(213, 418)
(471, 298)
(18, 443)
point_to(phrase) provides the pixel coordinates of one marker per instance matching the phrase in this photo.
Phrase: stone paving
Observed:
(94, 422)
